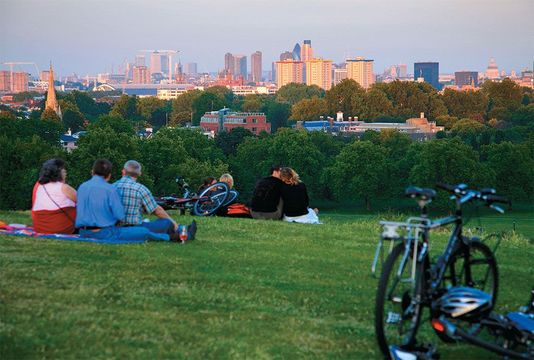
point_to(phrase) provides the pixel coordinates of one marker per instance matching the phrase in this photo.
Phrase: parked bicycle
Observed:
(409, 281)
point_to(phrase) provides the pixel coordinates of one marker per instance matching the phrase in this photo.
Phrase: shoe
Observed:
(175, 237)
(192, 230)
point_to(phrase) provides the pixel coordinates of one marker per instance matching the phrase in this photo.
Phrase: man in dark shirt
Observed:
(266, 200)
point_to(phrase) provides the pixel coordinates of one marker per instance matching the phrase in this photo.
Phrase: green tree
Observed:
(115, 123)
(50, 115)
(207, 101)
(344, 96)
(293, 93)
(127, 108)
(505, 94)
(73, 120)
(252, 103)
(523, 115)
(228, 141)
(182, 107)
(374, 105)
(465, 104)
(359, 171)
(154, 111)
(309, 109)
(277, 114)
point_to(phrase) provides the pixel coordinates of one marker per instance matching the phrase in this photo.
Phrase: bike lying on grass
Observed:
(409, 282)
(204, 204)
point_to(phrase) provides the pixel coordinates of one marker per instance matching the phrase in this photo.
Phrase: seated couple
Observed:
(282, 195)
(101, 210)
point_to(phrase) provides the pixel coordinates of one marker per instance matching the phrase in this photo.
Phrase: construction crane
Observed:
(169, 56)
(12, 63)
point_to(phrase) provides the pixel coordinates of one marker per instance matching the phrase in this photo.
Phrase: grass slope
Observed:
(243, 289)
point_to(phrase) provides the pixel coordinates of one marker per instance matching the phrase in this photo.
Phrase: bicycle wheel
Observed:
(398, 305)
(211, 199)
(476, 268)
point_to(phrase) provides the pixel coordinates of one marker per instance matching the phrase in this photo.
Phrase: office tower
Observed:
(5, 80)
(340, 74)
(255, 67)
(164, 58)
(140, 60)
(306, 52)
(466, 78)
(240, 66)
(296, 52)
(44, 75)
(361, 71)
(229, 63)
(20, 82)
(288, 71)
(402, 70)
(155, 62)
(427, 72)
(141, 75)
(51, 99)
(492, 72)
(287, 55)
(190, 68)
(319, 72)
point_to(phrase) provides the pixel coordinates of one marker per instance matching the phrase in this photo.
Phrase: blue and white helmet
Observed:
(465, 303)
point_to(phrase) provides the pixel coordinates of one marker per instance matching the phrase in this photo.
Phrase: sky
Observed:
(92, 36)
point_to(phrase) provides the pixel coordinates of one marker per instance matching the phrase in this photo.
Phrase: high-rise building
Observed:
(141, 75)
(296, 53)
(287, 55)
(20, 81)
(306, 52)
(492, 72)
(140, 60)
(229, 63)
(402, 70)
(5, 80)
(164, 58)
(155, 62)
(240, 66)
(340, 74)
(255, 67)
(319, 72)
(361, 71)
(51, 99)
(44, 75)
(466, 78)
(289, 71)
(427, 72)
(190, 68)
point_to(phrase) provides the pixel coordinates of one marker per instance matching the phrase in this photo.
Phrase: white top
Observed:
(44, 202)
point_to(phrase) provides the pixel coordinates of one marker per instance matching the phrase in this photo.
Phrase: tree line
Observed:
(489, 141)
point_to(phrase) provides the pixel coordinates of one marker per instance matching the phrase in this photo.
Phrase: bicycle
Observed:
(409, 281)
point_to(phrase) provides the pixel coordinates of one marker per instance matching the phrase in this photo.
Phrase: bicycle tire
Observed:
(211, 199)
(453, 277)
(389, 271)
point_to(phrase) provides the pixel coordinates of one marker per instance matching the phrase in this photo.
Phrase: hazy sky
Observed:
(88, 36)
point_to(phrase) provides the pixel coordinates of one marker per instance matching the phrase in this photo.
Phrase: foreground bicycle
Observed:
(409, 282)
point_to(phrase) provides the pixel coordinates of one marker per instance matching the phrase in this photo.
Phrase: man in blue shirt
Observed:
(99, 209)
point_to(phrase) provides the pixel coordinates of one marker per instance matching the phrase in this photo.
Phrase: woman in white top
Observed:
(53, 201)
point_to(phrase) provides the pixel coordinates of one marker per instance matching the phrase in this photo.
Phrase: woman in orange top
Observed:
(53, 201)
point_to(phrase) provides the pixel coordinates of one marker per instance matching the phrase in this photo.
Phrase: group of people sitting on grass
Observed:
(102, 210)
(99, 209)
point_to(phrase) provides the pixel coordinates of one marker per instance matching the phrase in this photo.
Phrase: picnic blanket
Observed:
(27, 231)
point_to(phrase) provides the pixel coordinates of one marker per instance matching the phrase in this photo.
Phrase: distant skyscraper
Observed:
(296, 52)
(51, 100)
(306, 52)
(20, 82)
(288, 71)
(5, 80)
(229, 63)
(402, 70)
(255, 67)
(288, 55)
(164, 58)
(155, 62)
(361, 71)
(44, 75)
(492, 72)
(340, 74)
(141, 75)
(427, 72)
(140, 60)
(240, 66)
(319, 72)
(190, 68)
(466, 78)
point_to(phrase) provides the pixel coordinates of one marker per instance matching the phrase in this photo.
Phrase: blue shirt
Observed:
(135, 197)
(98, 204)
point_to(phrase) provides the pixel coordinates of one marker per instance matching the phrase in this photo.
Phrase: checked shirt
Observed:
(136, 198)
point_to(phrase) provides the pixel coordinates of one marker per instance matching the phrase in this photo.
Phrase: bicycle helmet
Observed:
(465, 303)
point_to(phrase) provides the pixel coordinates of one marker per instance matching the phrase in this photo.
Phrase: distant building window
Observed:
(254, 130)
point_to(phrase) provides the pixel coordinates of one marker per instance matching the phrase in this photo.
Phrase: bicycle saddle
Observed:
(417, 192)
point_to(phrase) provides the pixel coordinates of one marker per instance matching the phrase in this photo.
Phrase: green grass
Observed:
(243, 289)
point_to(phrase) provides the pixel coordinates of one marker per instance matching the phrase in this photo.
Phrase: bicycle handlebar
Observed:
(464, 195)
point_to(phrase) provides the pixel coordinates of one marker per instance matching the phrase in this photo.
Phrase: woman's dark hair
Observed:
(51, 171)
(208, 181)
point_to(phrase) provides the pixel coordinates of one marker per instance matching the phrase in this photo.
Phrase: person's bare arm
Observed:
(162, 214)
(69, 192)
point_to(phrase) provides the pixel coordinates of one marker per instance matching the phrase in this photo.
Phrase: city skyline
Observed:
(91, 36)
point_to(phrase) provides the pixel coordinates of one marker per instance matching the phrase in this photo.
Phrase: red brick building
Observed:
(226, 120)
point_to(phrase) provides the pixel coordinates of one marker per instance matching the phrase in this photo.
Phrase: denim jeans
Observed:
(132, 233)
(160, 226)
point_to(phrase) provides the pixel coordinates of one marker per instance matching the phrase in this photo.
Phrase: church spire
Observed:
(51, 100)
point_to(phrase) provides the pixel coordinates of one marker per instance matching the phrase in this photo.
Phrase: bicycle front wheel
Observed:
(398, 305)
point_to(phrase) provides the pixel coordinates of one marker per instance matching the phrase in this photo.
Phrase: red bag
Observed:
(238, 210)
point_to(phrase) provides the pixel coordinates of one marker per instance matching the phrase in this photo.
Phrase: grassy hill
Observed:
(243, 289)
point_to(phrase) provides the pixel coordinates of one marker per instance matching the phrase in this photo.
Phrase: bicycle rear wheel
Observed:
(398, 305)
(476, 267)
